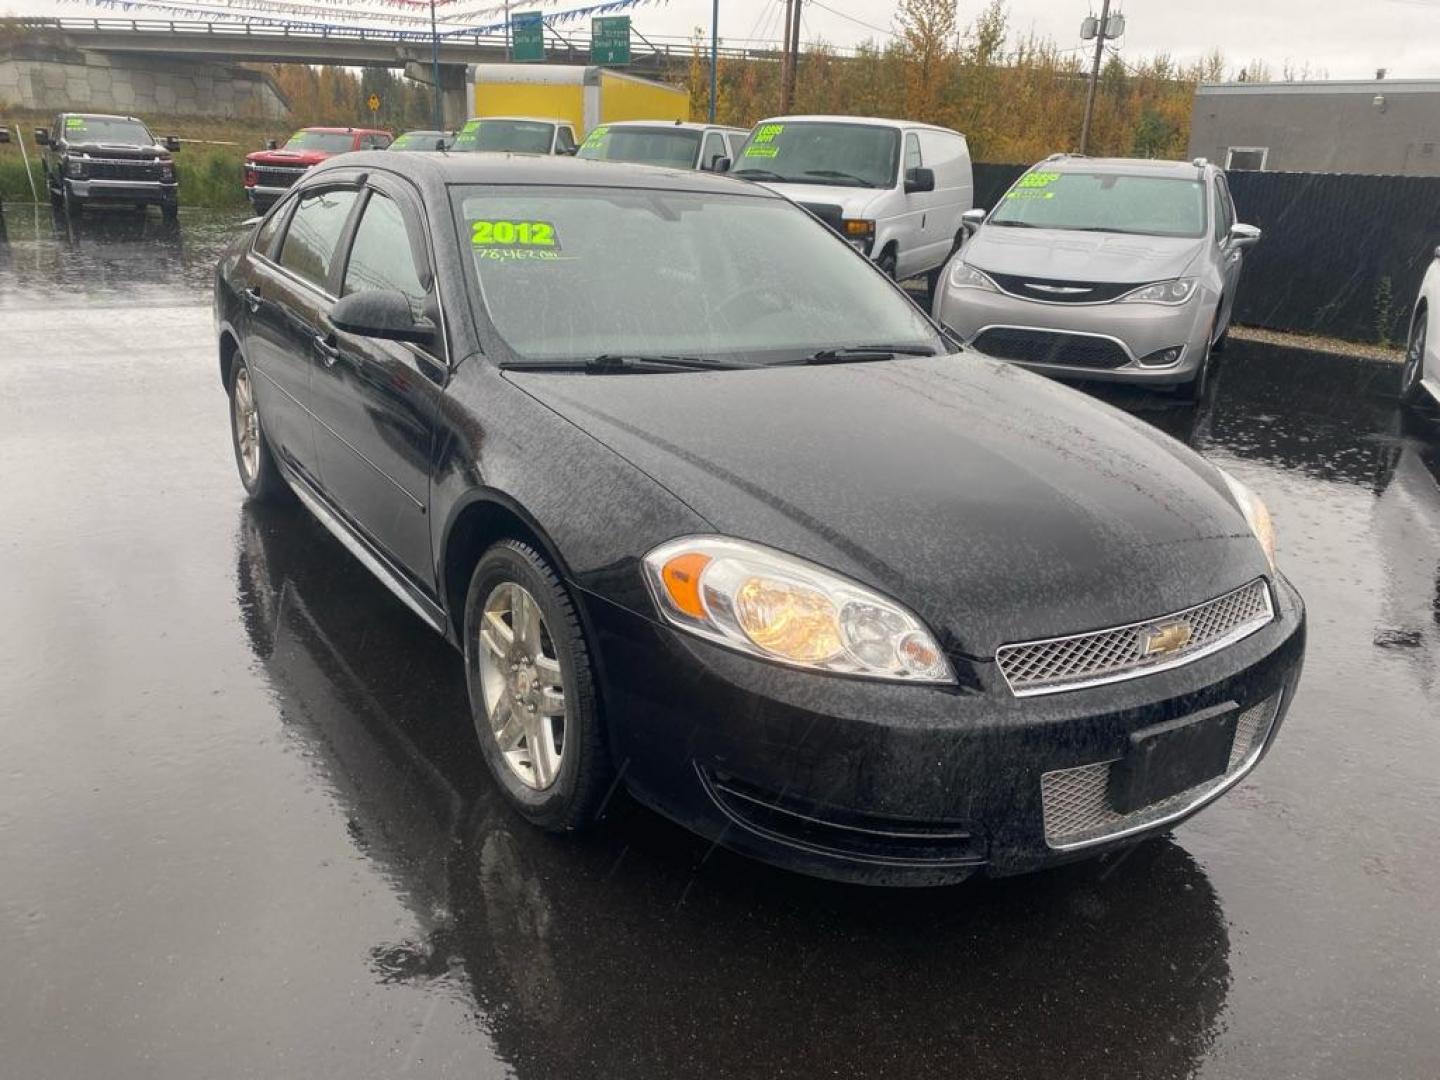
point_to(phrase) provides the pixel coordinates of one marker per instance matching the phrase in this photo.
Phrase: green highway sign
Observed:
(610, 40)
(527, 36)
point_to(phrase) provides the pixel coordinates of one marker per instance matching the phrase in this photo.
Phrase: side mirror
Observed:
(381, 313)
(42, 137)
(4, 134)
(971, 220)
(172, 143)
(272, 144)
(569, 151)
(1243, 236)
(721, 164)
(919, 180)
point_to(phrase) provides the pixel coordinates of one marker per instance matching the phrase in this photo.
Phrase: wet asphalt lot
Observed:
(244, 831)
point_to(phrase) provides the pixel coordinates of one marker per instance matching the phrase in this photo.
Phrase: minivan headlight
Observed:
(1176, 291)
(763, 602)
(965, 276)
(1257, 515)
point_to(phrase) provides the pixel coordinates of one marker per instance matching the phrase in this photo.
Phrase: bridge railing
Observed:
(660, 47)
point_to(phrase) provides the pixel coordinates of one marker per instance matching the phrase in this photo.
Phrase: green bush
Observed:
(13, 185)
(210, 176)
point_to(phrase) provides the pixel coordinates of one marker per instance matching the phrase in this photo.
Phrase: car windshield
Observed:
(515, 136)
(569, 274)
(1104, 202)
(107, 129)
(810, 152)
(329, 142)
(419, 140)
(676, 147)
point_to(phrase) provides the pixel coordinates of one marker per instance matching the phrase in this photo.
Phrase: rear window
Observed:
(645, 145)
(847, 155)
(1104, 202)
(327, 142)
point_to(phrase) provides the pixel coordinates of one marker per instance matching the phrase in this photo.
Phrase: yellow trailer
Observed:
(584, 95)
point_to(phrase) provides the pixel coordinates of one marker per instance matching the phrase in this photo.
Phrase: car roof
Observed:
(432, 173)
(103, 116)
(682, 125)
(346, 130)
(869, 121)
(1133, 166)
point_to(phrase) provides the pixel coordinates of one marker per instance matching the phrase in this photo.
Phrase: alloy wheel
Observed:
(522, 685)
(245, 419)
(1414, 355)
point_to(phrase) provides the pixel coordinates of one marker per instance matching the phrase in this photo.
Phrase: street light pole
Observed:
(439, 109)
(1094, 75)
(714, 54)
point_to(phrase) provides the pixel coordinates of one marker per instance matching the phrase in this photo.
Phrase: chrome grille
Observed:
(1076, 802)
(1064, 663)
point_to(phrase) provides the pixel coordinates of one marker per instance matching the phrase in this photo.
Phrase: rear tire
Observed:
(527, 667)
(1414, 370)
(253, 458)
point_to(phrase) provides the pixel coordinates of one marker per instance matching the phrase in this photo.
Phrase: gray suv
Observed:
(1114, 269)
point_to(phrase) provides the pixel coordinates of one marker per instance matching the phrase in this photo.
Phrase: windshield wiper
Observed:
(836, 174)
(1012, 224)
(606, 363)
(765, 174)
(854, 354)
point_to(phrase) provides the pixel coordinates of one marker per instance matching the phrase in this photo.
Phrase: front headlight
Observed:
(75, 167)
(769, 604)
(965, 276)
(1162, 292)
(1257, 516)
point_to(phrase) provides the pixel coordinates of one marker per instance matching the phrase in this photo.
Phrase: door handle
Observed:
(328, 352)
(252, 299)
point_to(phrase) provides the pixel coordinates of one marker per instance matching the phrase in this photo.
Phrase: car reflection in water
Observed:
(642, 951)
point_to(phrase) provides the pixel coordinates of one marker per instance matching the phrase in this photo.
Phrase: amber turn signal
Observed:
(681, 576)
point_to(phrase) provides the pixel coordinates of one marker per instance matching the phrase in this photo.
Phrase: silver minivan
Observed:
(1115, 269)
(894, 189)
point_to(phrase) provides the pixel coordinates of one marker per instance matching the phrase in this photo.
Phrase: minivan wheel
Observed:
(1414, 369)
(258, 472)
(532, 694)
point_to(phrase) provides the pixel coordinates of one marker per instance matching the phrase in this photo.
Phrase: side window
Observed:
(265, 238)
(381, 256)
(736, 140)
(564, 140)
(713, 148)
(912, 151)
(1224, 211)
(315, 229)
(374, 142)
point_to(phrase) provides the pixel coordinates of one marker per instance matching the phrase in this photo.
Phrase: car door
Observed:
(375, 401)
(286, 295)
(909, 228)
(1231, 255)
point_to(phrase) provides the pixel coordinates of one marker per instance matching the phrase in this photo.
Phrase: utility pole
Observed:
(790, 61)
(785, 59)
(714, 54)
(435, 69)
(1100, 38)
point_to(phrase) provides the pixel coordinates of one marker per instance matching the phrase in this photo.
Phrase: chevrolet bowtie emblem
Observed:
(1166, 638)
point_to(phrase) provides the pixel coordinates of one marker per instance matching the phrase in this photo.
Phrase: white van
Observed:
(893, 188)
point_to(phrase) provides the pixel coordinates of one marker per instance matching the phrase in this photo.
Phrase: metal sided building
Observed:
(1371, 126)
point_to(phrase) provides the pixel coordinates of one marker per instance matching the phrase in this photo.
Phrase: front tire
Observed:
(1414, 370)
(253, 458)
(1193, 392)
(532, 691)
(887, 263)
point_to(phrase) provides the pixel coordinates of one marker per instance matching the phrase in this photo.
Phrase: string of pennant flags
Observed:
(272, 12)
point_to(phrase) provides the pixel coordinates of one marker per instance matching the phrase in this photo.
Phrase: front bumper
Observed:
(1139, 330)
(153, 192)
(886, 783)
(262, 196)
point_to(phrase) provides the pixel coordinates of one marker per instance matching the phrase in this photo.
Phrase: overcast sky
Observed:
(1348, 40)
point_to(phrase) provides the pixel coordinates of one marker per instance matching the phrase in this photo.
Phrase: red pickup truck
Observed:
(269, 173)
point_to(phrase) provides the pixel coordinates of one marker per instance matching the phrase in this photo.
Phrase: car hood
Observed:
(998, 505)
(1067, 255)
(854, 202)
(119, 150)
(287, 157)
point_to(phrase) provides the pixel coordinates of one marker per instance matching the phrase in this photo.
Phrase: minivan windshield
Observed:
(327, 142)
(821, 152)
(513, 136)
(569, 274)
(675, 147)
(107, 129)
(1104, 202)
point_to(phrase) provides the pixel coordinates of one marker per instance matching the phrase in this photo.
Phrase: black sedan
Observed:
(715, 512)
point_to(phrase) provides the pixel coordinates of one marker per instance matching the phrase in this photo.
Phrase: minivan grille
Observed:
(1075, 803)
(1055, 664)
(1055, 291)
(1051, 347)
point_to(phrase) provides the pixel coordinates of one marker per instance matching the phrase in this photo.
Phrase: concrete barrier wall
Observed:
(59, 80)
